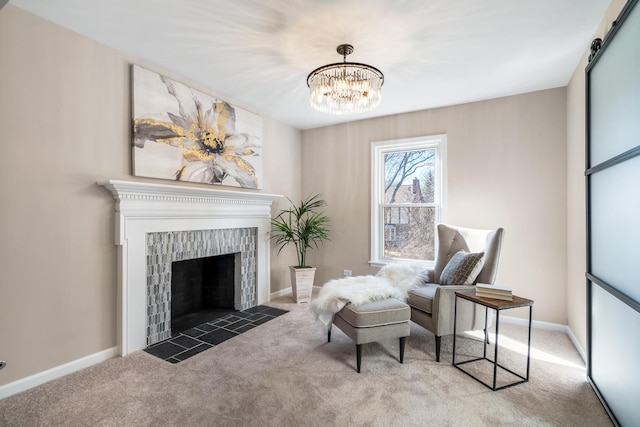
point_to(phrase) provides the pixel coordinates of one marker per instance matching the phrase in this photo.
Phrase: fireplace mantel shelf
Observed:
(135, 190)
(143, 208)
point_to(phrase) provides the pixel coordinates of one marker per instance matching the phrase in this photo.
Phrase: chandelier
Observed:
(345, 87)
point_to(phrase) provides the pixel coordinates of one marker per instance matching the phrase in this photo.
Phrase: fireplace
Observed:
(202, 289)
(156, 224)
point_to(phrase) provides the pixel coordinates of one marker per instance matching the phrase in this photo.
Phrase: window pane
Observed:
(409, 232)
(614, 363)
(409, 176)
(615, 229)
(615, 95)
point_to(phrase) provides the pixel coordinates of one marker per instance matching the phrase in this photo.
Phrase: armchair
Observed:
(432, 304)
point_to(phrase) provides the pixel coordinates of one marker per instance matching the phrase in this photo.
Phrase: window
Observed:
(407, 199)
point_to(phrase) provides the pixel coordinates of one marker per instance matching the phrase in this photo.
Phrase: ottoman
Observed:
(374, 321)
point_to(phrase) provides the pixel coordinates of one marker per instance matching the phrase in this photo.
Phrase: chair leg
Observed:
(402, 340)
(486, 336)
(438, 339)
(329, 334)
(358, 356)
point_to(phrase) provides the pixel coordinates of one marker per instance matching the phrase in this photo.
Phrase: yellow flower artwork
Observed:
(182, 134)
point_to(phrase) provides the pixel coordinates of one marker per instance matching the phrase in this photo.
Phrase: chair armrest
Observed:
(443, 310)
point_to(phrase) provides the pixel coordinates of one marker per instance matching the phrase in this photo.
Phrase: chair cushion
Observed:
(422, 297)
(377, 313)
(462, 269)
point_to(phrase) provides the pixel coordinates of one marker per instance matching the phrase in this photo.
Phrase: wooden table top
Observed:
(496, 304)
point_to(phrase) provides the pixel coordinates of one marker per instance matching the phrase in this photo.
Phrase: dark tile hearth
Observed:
(209, 334)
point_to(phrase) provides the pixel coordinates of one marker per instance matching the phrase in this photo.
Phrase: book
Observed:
(495, 296)
(493, 291)
(493, 287)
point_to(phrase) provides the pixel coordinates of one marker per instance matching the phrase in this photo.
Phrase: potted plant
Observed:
(306, 227)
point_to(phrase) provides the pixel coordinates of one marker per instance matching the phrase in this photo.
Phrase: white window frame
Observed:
(378, 150)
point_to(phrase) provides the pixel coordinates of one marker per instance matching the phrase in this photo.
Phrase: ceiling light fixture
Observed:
(345, 87)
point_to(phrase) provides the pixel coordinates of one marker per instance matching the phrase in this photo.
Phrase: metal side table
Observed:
(497, 305)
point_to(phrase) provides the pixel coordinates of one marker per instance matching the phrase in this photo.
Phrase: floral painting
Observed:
(185, 135)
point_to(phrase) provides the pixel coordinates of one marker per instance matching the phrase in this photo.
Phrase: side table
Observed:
(497, 305)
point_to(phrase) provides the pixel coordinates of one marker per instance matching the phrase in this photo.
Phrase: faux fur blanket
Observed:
(392, 281)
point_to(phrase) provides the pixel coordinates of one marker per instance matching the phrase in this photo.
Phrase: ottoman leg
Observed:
(402, 340)
(358, 356)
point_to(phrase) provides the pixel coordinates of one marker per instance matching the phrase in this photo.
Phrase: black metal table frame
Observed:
(484, 353)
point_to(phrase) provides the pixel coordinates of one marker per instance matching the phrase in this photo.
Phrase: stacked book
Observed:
(493, 291)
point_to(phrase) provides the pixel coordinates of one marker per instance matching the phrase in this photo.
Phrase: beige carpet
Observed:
(284, 373)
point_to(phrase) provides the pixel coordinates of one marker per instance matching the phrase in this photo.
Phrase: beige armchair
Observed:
(432, 304)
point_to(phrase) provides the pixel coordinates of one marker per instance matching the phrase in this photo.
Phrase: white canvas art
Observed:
(185, 135)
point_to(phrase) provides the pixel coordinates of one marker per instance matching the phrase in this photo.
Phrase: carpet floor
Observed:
(284, 373)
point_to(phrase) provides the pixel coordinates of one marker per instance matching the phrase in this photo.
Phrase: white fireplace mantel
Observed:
(143, 208)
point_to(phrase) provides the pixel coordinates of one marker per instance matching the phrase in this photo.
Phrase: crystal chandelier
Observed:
(345, 87)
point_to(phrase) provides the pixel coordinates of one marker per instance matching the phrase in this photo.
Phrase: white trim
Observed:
(281, 292)
(380, 264)
(289, 291)
(537, 324)
(143, 208)
(59, 371)
(577, 345)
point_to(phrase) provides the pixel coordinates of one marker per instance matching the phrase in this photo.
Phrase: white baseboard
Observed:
(281, 292)
(548, 326)
(288, 291)
(577, 345)
(57, 372)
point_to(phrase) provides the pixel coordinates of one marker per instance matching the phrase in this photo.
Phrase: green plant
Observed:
(304, 225)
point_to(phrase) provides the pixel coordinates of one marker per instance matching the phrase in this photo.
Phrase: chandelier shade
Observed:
(345, 87)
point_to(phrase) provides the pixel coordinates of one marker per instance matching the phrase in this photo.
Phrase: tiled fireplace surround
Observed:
(166, 247)
(157, 224)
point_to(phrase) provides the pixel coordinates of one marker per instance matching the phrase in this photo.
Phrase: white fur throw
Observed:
(392, 281)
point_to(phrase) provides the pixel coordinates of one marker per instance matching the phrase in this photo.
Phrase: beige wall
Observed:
(506, 168)
(576, 222)
(65, 124)
(282, 147)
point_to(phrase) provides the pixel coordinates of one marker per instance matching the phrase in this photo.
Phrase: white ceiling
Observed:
(258, 53)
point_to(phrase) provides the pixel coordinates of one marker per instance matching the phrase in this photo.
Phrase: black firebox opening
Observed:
(202, 289)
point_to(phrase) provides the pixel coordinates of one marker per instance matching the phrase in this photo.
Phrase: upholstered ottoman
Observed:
(374, 321)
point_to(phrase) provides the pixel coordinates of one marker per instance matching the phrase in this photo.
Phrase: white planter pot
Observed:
(302, 283)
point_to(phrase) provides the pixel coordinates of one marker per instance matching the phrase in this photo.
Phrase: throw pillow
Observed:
(462, 269)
